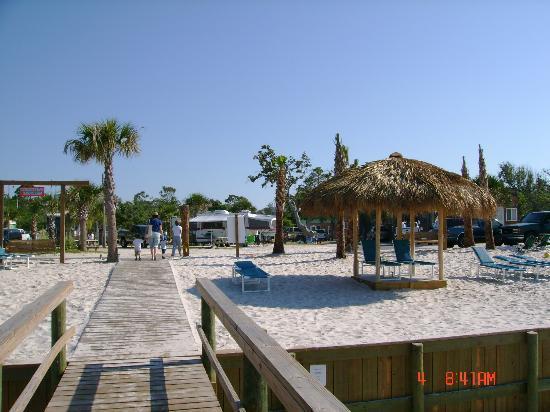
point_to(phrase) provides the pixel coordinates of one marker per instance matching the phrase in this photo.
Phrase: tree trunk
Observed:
(489, 240)
(110, 213)
(468, 232)
(340, 239)
(348, 243)
(83, 218)
(280, 197)
(34, 227)
(51, 227)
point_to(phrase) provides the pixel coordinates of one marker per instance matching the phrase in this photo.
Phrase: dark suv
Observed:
(531, 225)
(455, 234)
(126, 236)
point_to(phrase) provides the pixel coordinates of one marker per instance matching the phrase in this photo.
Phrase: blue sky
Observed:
(210, 82)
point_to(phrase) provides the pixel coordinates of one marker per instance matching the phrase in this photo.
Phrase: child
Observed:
(163, 241)
(137, 247)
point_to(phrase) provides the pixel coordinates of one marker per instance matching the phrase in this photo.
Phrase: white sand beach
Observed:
(313, 301)
(22, 285)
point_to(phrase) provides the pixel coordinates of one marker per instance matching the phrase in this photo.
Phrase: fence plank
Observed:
(384, 377)
(439, 367)
(370, 379)
(478, 364)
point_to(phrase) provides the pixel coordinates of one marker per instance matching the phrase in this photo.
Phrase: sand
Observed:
(22, 285)
(313, 301)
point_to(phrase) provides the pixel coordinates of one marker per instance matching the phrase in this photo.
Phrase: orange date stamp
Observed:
(471, 378)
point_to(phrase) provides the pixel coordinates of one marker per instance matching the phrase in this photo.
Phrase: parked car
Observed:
(126, 237)
(455, 234)
(533, 224)
(386, 233)
(15, 234)
(321, 235)
(292, 233)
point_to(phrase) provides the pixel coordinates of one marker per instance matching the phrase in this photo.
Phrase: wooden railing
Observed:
(265, 364)
(15, 329)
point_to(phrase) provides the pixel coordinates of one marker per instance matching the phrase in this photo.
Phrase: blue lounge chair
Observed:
(6, 258)
(517, 262)
(250, 273)
(532, 260)
(369, 255)
(486, 261)
(403, 255)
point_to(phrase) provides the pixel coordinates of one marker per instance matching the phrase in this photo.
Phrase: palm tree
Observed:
(101, 141)
(340, 164)
(468, 228)
(484, 182)
(81, 201)
(51, 207)
(280, 200)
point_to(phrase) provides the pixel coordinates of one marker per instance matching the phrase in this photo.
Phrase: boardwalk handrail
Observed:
(19, 326)
(295, 387)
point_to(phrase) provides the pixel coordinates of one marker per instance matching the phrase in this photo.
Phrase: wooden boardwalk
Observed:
(137, 351)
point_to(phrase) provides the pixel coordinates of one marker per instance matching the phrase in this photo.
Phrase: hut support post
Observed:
(62, 226)
(185, 230)
(411, 238)
(440, 248)
(399, 227)
(236, 235)
(354, 234)
(377, 240)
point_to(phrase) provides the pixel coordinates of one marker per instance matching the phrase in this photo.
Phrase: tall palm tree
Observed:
(81, 200)
(280, 200)
(36, 207)
(484, 182)
(468, 227)
(101, 141)
(340, 164)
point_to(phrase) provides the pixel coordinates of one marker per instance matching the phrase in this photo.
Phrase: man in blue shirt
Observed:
(156, 226)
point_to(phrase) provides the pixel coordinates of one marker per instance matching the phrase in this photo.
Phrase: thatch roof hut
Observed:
(399, 185)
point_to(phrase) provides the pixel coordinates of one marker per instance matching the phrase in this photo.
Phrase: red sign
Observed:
(31, 191)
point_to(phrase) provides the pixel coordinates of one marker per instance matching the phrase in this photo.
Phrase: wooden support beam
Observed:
(354, 222)
(208, 324)
(255, 389)
(398, 226)
(185, 230)
(62, 226)
(378, 223)
(440, 245)
(59, 327)
(444, 220)
(532, 372)
(237, 251)
(412, 239)
(417, 375)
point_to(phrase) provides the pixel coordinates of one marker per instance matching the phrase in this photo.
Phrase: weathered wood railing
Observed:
(266, 363)
(15, 329)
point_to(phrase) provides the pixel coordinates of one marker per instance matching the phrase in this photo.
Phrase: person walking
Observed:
(176, 238)
(156, 230)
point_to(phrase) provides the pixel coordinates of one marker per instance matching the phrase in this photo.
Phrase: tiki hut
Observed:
(399, 185)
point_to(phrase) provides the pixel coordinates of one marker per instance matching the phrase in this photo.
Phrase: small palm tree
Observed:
(101, 141)
(81, 200)
(340, 164)
(484, 182)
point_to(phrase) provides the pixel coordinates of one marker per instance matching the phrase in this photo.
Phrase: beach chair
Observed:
(6, 258)
(532, 260)
(485, 260)
(529, 244)
(250, 273)
(403, 256)
(544, 241)
(518, 262)
(369, 255)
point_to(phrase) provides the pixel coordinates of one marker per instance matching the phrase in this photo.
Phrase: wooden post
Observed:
(377, 240)
(208, 324)
(62, 226)
(255, 389)
(444, 231)
(440, 242)
(532, 372)
(412, 239)
(185, 229)
(1, 220)
(237, 234)
(417, 375)
(399, 228)
(354, 222)
(59, 327)
(1, 371)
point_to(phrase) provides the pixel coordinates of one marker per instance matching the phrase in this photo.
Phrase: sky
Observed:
(208, 82)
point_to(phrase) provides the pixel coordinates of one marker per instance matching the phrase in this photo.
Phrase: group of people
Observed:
(158, 238)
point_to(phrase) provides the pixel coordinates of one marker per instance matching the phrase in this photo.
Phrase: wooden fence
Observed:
(381, 377)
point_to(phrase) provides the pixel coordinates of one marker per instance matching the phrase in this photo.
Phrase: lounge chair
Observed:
(250, 273)
(486, 261)
(403, 256)
(518, 262)
(369, 255)
(5, 257)
(532, 260)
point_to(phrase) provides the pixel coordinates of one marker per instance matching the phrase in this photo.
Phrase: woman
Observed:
(156, 230)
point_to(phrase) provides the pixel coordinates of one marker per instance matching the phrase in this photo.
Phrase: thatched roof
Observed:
(399, 184)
